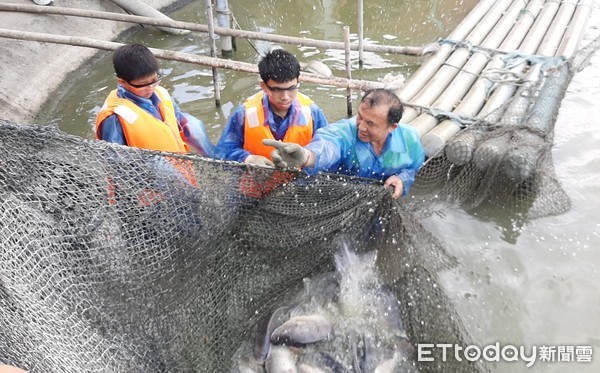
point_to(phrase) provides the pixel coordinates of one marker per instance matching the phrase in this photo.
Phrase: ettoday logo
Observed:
(497, 352)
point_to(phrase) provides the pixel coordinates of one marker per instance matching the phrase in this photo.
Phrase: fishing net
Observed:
(112, 261)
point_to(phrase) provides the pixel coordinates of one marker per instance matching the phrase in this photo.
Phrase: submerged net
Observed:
(117, 259)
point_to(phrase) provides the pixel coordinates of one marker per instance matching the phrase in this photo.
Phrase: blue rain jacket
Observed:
(339, 150)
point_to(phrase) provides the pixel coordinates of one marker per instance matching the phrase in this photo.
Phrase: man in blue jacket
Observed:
(373, 144)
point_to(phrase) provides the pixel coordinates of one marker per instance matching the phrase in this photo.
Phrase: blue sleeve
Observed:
(330, 144)
(195, 135)
(178, 114)
(231, 144)
(194, 132)
(319, 119)
(417, 155)
(111, 130)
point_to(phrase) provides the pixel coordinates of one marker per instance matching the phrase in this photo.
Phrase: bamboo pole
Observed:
(436, 139)
(520, 163)
(360, 32)
(557, 18)
(548, 47)
(407, 50)
(492, 109)
(576, 28)
(534, 37)
(182, 57)
(560, 22)
(438, 83)
(213, 52)
(348, 69)
(459, 151)
(464, 79)
(418, 79)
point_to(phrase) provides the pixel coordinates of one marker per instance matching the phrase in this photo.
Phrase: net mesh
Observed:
(111, 262)
(118, 259)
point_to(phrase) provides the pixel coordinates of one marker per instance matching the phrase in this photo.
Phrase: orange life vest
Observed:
(255, 128)
(143, 130)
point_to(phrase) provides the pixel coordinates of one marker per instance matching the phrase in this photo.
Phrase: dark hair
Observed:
(279, 65)
(134, 61)
(382, 96)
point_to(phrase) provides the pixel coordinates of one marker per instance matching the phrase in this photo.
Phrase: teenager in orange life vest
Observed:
(277, 112)
(140, 113)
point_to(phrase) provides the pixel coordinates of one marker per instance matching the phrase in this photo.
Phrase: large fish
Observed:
(303, 329)
(262, 343)
(343, 321)
(281, 359)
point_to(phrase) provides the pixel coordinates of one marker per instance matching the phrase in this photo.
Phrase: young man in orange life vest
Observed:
(140, 113)
(277, 112)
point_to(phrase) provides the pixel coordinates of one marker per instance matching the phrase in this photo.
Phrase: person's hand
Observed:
(258, 160)
(287, 154)
(396, 183)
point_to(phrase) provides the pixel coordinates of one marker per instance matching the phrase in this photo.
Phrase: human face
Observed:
(144, 86)
(373, 126)
(281, 95)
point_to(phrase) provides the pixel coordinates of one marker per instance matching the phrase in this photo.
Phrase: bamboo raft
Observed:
(454, 87)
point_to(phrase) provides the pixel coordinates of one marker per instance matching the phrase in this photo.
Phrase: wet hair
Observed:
(134, 61)
(279, 65)
(381, 96)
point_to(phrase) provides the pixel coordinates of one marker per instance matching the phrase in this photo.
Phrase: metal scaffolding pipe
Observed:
(411, 51)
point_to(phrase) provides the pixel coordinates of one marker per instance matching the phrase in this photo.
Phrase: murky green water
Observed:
(385, 22)
(540, 287)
